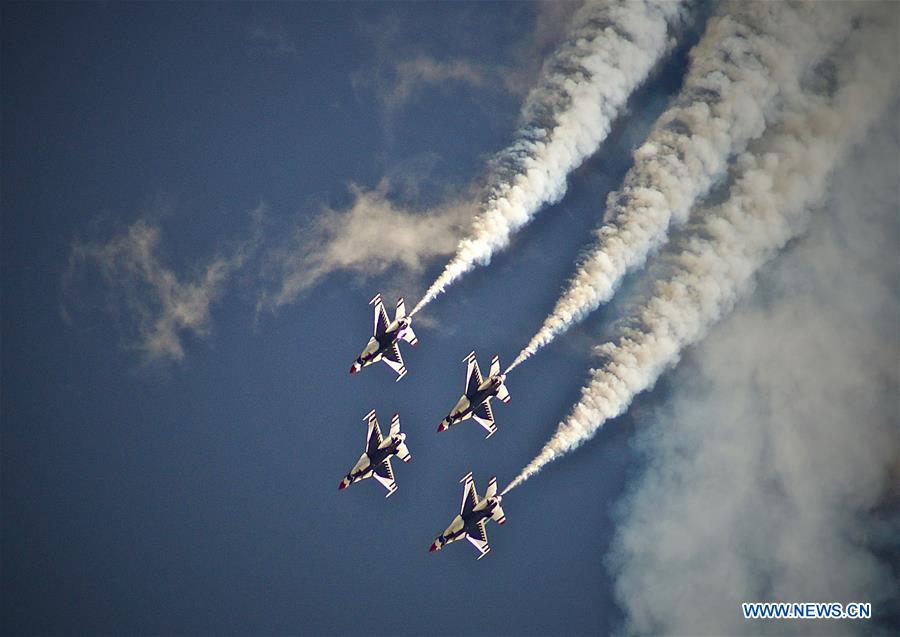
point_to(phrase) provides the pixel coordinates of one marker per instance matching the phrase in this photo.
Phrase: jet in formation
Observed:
(473, 516)
(475, 403)
(375, 462)
(385, 342)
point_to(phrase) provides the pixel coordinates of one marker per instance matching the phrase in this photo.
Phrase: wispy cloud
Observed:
(369, 237)
(402, 69)
(159, 306)
(422, 71)
(271, 39)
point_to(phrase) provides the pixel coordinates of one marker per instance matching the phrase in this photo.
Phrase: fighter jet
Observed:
(384, 344)
(476, 402)
(375, 462)
(474, 514)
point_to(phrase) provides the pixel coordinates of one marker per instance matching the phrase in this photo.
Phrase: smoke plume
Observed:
(584, 86)
(767, 206)
(745, 68)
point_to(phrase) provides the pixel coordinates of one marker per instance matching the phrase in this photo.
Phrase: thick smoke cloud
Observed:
(745, 68)
(772, 468)
(767, 207)
(583, 87)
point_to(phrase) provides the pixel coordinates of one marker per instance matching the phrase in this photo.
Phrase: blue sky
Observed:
(199, 495)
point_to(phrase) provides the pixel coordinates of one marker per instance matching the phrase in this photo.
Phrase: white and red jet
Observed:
(475, 403)
(375, 462)
(384, 344)
(473, 516)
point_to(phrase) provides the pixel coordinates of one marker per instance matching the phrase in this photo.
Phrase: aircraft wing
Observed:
(373, 435)
(473, 374)
(381, 319)
(484, 416)
(394, 360)
(479, 540)
(470, 495)
(384, 473)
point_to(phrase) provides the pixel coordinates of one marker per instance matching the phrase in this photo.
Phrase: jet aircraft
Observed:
(475, 402)
(473, 516)
(385, 343)
(375, 462)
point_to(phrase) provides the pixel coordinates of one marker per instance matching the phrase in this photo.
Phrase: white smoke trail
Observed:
(767, 207)
(743, 70)
(612, 49)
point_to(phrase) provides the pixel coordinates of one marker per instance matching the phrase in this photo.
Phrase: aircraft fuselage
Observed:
(379, 344)
(369, 460)
(467, 523)
(468, 402)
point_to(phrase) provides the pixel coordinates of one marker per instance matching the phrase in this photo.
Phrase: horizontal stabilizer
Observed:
(395, 424)
(375, 299)
(491, 488)
(410, 337)
(495, 366)
(401, 309)
(503, 394)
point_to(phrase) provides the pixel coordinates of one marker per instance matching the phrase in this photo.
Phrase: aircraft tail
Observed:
(503, 394)
(407, 334)
(410, 337)
(502, 391)
(491, 488)
(495, 366)
(395, 424)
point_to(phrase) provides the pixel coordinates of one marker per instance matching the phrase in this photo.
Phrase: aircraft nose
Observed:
(442, 427)
(342, 485)
(353, 369)
(433, 547)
